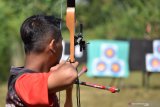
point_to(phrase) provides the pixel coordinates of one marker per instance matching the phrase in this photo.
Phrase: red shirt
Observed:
(32, 88)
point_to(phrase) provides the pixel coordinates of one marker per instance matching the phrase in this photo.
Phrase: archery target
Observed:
(153, 63)
(117, 67)
(108, 58)
(156, 46)
(100, 66)
(109, 51)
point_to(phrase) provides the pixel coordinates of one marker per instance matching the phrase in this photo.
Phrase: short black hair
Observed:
(38, 30)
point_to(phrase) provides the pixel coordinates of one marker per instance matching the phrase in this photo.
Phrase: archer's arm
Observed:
(63, 77)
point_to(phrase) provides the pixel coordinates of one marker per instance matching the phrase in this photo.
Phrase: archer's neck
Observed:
(38, 63)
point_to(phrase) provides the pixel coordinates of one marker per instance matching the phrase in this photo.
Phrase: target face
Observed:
(115, 67)
(109, 51)
(108, 58)
(156, 46)
(101, 66)
(153, 62)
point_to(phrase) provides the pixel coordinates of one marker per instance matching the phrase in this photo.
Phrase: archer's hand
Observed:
(63, 77)
(75, 65)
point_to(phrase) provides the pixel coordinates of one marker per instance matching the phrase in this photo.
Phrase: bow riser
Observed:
(70, 23)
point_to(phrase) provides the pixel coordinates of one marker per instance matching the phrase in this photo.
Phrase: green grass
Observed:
(131, 92)
(3, 91)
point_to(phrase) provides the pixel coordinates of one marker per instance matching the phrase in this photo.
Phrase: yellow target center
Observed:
(155, 63)
(109, 52)
(115, 68)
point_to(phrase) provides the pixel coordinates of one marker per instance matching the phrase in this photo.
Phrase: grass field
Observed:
(132, 93)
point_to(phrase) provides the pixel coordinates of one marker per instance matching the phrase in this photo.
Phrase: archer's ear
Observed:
(52, 45)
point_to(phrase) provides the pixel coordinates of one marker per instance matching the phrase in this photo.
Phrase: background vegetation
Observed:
(102, 19)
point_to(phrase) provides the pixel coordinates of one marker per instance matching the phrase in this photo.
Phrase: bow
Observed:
(78, 40)
(70, 23)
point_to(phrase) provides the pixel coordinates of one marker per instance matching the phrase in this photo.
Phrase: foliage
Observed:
(13, 13)
(127, 19)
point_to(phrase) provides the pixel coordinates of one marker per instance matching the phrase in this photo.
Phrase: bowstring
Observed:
(78, 93)
(78, 90)
(61, 16)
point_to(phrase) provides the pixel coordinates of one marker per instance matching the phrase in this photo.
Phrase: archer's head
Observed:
(41, 35)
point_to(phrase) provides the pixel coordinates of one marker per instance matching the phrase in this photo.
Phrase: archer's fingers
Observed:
(75, 64)
(57, 66)
(54, 68)
(62, 62)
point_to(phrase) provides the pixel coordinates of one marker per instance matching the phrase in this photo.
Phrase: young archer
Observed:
(36, 84)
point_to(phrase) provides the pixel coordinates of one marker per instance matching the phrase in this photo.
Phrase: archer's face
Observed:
(55, 51)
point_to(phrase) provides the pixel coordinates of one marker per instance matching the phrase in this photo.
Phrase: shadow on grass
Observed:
(154, 87)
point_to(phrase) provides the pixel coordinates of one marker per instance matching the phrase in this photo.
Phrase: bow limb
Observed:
(70, 23)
